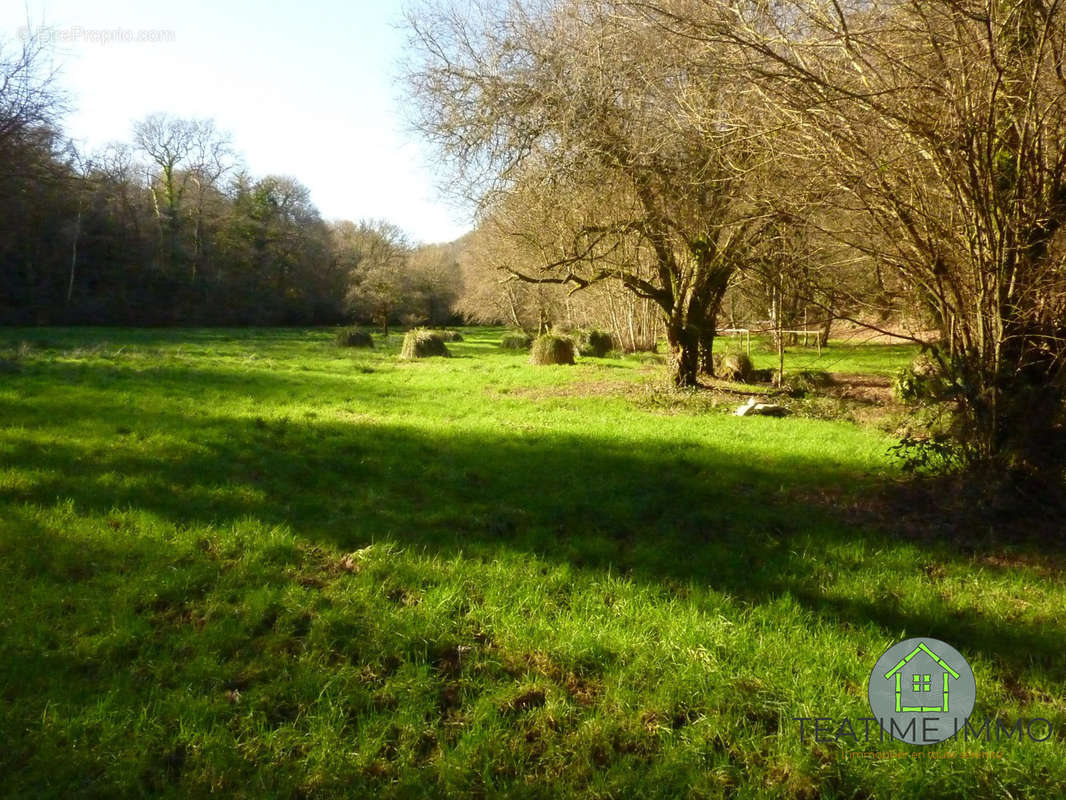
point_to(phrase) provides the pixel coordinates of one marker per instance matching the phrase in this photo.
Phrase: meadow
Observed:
(254, 564)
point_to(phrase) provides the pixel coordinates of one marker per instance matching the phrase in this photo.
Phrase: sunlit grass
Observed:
(253, 563)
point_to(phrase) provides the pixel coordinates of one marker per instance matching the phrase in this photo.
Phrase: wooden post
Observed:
(780, 342)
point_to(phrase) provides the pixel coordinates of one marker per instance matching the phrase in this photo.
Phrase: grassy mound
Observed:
(735, 367)
(450, 336)
(594, 343)
(353, 337)
(808, 380)
(516, 340)
(420, 343)
(552, 349)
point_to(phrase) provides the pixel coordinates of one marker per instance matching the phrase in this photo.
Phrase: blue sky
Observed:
(305, 89)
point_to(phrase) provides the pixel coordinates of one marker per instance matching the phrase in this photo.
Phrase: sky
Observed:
(305, 89)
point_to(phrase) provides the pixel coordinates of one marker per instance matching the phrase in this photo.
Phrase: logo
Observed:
(922, 691)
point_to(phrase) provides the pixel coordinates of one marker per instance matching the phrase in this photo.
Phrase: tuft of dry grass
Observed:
(552, 349)
(420, 343)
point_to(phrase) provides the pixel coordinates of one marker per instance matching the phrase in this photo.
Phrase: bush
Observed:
(450, 336)
(930, 455)
(552, 349)
(735, 367)
(594, 343)
(516, 340)
(922, 380)
(353, 337)
(420, 343)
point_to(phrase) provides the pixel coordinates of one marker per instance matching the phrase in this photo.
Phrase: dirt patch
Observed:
(875, 389)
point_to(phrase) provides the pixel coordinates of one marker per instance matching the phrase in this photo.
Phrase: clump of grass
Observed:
(594, 343)
(552, 349)
(420, 343)
(516, 340)
(449, 336)
(808, 380)
(735, 367)
(353, 337)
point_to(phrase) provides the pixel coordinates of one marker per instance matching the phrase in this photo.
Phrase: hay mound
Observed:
(594, 343)
(807, 381)
(420, 343)
(552, 349)
(450, 336)
(735, 367)
(516, 340)
(353, 337)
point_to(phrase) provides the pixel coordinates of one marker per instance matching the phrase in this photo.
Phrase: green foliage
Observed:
(552, 349)
(923, 380)
(937, 454)
(354, 337)
(516, 340)
(594, 343)
(422, 343)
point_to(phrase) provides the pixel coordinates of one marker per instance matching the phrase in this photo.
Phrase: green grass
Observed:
(250, 563)
(856, 356)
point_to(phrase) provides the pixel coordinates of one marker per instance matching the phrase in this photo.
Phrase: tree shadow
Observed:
(664, 513)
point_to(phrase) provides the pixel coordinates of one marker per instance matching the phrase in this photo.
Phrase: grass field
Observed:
(250, 563)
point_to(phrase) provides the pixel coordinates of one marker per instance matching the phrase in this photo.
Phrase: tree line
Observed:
(170, 229)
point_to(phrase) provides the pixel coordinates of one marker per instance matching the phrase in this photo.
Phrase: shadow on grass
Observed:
(662, 513)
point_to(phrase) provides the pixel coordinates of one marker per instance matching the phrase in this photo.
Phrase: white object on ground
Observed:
(762, 409)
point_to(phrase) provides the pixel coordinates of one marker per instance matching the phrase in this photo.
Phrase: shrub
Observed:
(420, 343)
(594, 343)
(922, 380)
(735, 367)
(552, 349)
(930, 455)
(450, 336)
(516, 340)
(353, 337)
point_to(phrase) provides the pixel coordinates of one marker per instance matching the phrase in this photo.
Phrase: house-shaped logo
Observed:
(922, 681)
(922, 691)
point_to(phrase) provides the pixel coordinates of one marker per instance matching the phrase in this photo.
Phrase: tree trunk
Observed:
(74, 255)
(827, 328)
(684, 341)
(707, 347)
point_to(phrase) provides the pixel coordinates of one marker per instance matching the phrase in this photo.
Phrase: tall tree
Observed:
(589, 112)
(379, 283)
(184, 153)
(943, 125)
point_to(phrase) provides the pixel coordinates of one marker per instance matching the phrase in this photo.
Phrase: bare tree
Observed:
(943, 124)
(587, 114)
(185, 152)
(29, 98)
